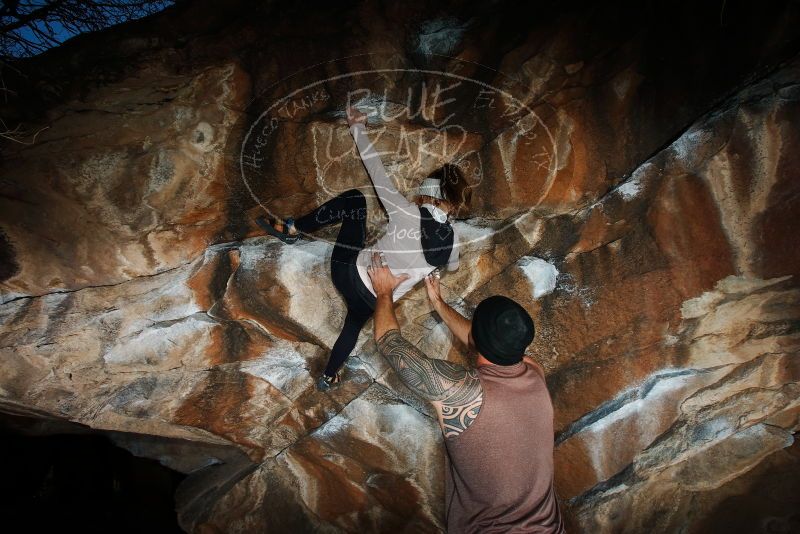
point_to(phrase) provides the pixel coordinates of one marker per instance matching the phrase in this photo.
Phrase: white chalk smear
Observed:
(541, 275)
(634, 185)
(630, 189)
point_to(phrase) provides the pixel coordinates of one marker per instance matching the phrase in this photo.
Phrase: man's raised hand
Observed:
(433, 289)
(383, 281)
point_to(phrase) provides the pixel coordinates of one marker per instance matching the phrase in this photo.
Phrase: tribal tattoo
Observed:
(455, 391)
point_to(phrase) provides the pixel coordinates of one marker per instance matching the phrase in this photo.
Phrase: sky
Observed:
(58, 31)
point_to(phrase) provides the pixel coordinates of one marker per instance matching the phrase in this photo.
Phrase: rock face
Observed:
(633, 177)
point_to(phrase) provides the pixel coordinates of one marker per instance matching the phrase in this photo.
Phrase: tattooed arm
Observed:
(454, 391)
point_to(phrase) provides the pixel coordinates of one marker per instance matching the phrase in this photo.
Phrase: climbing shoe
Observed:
(325, 382)
(284, 236)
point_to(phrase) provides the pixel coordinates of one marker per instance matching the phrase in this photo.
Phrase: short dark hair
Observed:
(502, 330)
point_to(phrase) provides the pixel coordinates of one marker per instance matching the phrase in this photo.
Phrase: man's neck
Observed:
(481, 361)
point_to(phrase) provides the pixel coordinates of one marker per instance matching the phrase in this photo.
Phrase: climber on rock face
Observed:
(497, 418)
(419, 238)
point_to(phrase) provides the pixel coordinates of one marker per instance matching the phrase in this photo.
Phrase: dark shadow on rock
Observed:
(59, 474)
(8, 259)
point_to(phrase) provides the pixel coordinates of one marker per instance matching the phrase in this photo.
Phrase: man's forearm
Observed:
(459, 325)
(385, 318)
(432, 379)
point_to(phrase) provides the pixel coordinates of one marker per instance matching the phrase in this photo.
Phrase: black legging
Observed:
(349, 208)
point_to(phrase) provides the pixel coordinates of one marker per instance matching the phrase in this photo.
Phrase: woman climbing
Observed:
(419, 238)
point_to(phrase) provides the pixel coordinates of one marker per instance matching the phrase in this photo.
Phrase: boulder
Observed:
(632, 178)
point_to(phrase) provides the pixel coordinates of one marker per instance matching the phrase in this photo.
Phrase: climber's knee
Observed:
(356, 204)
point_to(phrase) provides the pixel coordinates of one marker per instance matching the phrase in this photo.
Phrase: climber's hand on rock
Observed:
(433, 289)
(383, 281)
(355, 116)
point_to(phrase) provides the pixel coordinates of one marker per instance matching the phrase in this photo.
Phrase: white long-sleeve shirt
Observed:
(401, 244)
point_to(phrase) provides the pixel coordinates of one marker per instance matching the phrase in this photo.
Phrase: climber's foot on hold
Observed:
(325, 382)
(279, 229)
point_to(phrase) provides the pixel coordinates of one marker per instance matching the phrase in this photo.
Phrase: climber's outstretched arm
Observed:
(454, 391)
(393, 201)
